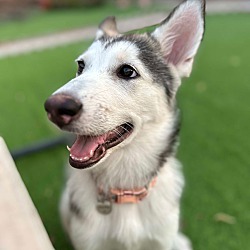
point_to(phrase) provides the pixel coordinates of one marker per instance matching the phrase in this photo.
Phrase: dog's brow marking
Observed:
(149, 54)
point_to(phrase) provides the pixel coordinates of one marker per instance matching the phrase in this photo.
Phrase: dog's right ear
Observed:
(107, 28)
(180, 35)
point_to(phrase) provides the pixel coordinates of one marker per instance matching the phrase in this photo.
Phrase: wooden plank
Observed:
(20, 225)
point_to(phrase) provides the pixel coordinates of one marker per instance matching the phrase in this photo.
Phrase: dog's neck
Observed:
(136, 164)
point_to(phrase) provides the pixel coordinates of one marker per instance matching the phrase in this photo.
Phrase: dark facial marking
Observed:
(81, 66)
(150, 55)
(172, 141)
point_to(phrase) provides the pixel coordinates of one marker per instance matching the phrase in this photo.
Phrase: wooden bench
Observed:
(20, 225)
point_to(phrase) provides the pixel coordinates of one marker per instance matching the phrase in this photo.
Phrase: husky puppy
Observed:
(124, 190)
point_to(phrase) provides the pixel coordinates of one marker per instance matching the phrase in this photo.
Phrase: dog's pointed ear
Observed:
(107, 28)
(181, 34)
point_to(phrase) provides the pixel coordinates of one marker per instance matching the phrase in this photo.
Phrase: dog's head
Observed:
(126, 84)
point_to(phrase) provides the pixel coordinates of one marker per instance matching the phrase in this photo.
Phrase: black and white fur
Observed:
(160, 59)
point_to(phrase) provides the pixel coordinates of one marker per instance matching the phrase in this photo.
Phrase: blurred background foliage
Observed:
(10, 9)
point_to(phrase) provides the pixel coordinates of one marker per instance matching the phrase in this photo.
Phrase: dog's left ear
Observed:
(181, 34)
(107, 28)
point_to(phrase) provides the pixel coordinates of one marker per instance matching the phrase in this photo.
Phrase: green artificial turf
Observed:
(215, 133)
(215, 137)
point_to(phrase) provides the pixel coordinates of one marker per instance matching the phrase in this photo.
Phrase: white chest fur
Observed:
(152, 222)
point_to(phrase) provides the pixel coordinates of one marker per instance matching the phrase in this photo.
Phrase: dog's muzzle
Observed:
(62, 109)
(87, 150)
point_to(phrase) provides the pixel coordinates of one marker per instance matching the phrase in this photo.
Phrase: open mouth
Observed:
(88, 150)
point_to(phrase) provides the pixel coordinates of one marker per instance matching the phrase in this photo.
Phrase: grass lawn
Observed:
(48, 22)
(214, 138)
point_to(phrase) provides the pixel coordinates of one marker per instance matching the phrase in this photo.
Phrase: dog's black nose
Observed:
(62, 109)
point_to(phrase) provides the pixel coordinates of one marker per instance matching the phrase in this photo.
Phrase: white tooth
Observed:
(68, 148)
(91, 153)
(79, 159)
(86, 158)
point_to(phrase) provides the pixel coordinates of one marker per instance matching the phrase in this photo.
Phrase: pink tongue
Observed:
(85, 146)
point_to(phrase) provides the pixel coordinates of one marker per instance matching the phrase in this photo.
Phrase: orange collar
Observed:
(121, 196)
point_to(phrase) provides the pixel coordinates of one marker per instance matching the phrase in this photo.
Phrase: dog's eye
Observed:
(81, 66)
(127, 72)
